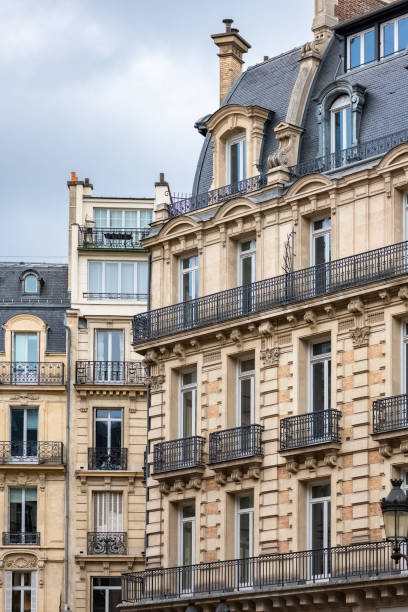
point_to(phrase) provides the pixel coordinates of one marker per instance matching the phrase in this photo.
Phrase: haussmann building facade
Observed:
(276, 339)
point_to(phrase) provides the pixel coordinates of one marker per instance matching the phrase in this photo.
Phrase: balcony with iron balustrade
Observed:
(107, 459)
(31, 373)
(238, 448)
(110, 543)
(110, 373)
(390, 422)
(327, 279)
(182, 460)
(17, 538)
(32, 454)
(112, 238)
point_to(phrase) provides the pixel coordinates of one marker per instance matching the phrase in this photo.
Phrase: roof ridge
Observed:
(272, 59)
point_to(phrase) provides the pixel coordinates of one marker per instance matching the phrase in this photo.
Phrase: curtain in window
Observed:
(111, 278)
(95, 277)
(101, 217)
(131, 218)
(127, 278)
(142, 278)
(145, 218)
(108, 512)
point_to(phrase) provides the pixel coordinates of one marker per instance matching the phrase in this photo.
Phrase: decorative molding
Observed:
(291, 319)
(220, 478)
(156, 382)
(164, 488)
(330, 459)
(270, 357)
(150, 357)
(194, 343)
(236, 475)
(292, 466)
(211, 357)
(194, 483)
(310, 318)
(360, 336)
(385, 450)
(24, 397)
(19, 562)
(356, 306)
(385, 296)
(404, 446)
(330, 311)
(236, 336)
(311, 463)
(253, 472)
(179, 351)
(403, 294)
(220, 337)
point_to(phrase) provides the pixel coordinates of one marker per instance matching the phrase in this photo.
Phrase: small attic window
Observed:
(31, 283)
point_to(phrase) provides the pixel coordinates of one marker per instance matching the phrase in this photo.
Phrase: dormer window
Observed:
(30, 282)
(340, 124)
(394, 36)
(236, 159)
(361, 49)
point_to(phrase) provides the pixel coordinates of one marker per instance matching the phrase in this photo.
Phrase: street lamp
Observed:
(395, 513)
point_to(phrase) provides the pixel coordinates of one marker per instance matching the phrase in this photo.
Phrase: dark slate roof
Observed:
(386, 95)
(50, 305)
(268, 85)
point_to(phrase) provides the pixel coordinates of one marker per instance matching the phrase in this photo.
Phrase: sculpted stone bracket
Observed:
(107, 479)
(86, 392)
(270, 357)
(178, 485)
(312, 461)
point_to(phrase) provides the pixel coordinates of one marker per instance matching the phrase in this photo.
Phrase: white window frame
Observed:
(237, 139)
(105, 588)
(323, 358)
(362, 48)
(97, 331)
(183, 388)
(37, 284)
(404, 358)
(396, 36)
(26, 458)
(240, 377)
(9, 588)
(15, 334)
(190, 270)
(238, 512)
(326, 232)
(109, 420)
(23, 501)
(123, 211)
(181, 521)
(135, 265)
(107, 509)
(326, 514)
(250, 253)
(343, 108)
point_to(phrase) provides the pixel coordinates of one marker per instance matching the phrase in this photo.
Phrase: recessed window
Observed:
(188, 278)
(320, 376)
(394, 36)
(187, 404)
(340, 124)
(361, 49)
(31, 284)
(118, 218)
(236, 159)
(110, 280)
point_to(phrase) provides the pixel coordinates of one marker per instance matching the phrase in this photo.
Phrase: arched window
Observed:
(31, 282)
(340, 124)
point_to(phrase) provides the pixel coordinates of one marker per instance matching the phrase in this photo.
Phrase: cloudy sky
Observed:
(111, 89)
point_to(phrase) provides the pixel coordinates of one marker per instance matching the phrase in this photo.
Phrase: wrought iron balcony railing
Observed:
(324, 279)
(360, 152)
(28, 453)
(107, 543)
(136, 297)
(216, 196)
(107, 458)
(276, 570)
(390, 414)
(17, 537)
(236, 443)
(310, 429)
(178, 454)
(31, 373)
(110, 373)
(112, 237)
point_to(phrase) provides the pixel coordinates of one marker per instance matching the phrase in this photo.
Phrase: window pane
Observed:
(115, 598)
(338, 131)
(355, 52)
(131, 218)
(244, 535)
(142, 278)
(145, 217)
(188, 511)
(402, 33)
(246, 502)
(187, 543)
(116, 434)
(318, 387)
(16, 602)
(117, 346)
(347, 113)
(369, 47)
(30, 284)
(98, 600)
(247, 365)
(127, 278)
(116, 218)
(32, 347)
(243, 172)
(187, 286)
(101, 216)
(111, 278)
(189, 378)
(388, 33)
(17, 579)
(320, 250)
(188, 407)
(101, 434)
(317, 526)
(246, 270)
(19, 347)
(17, 425)
(27, 601)
(234, 169)
(321, 348)
(95, 277)
(246, 401)
(321, 490)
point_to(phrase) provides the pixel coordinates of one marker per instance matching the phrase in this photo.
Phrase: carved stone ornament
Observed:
(253, 472)
(17, 562)
(356, 306)
(266, 329)
(385, 296)
(360, 336)
(330, 460)
(270, 357)
(150, 358)
(291, 319)
(220, 478)
(403, 294)
(311, 463)
(194, 483)
(236, 336)
(164, 488)
(24, 396)
(156, 382)
(310, 318)
(220, 337)
(330, 311)
(194, 343)
(385, 451)
(292, 466)
(178, 350)
(179, 485)
(404, 446)
(236, 475)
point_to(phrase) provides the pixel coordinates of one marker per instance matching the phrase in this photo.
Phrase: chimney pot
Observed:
(266, 57)
(161, 177)
(228, 23)
(74, 176)
(86, 181)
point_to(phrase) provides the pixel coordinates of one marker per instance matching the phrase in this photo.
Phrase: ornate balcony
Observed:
(112, 238)
(110, 373)
(31, 373)
(182, 206)
(107, 543)
(257, 574)
(390, 423)
(16, 537)
(360, 152)
(107, 459)
(238, 449)
(31, 453)
(311, 429)
(272, 293)
(179, 454)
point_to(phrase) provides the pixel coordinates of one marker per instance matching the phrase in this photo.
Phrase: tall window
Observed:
(188, 401)
(340, 124)
(106, 594)
(108, 512)
(321, 241)
(24, 433)
(361, 49)
(186, 544)
(394, 36)
(117, 218)
(244, 535)
(109, 355)
(21, 591)
(108, 428)
(319, 527)
(23, 514)
(247, 262)
(404, 357)
(189, 278)
(320, 376)
(236, 159)
(118, 280)
(245, 392)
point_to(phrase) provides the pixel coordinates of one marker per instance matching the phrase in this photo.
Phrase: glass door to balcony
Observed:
(24, 435)
(245, 405)
(189, 289)
(25, 359)
(187, 417)
(319, 530)
(108, 439)
(321, 254)
(247, 274)
(106, 594)
(399, 412)
(23, 515)
(21, 591)
(186, 546)
(244, 539)
(109, 366)
(320, 391)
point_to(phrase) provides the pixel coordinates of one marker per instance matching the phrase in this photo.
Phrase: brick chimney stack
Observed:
(231, 49)
(348, 9)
